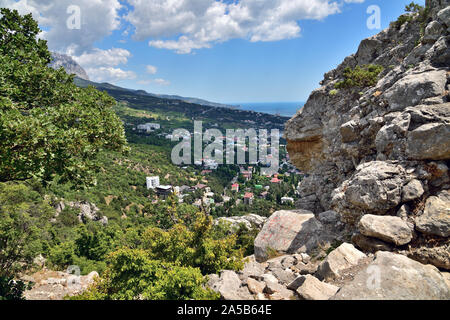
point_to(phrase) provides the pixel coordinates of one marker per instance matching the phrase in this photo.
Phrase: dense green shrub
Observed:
(360, 77)
(132, 275)
(194, 247)
(415, 10)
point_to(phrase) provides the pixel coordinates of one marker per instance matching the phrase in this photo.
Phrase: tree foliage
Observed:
(133, 275)
(48, 126)
(196, 247)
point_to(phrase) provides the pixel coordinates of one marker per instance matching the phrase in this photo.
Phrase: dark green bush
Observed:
(360, 77)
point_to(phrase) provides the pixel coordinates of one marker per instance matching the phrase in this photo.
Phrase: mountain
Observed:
(70, 65)
(192, 100)
(84, 82)
(139, 102)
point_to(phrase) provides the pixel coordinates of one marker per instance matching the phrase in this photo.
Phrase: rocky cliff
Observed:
(373, 221)
(70, 65)
(378, 151)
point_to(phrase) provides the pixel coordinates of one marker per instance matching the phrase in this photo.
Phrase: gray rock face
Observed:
(288, 232)
(230, 287)
(432, 32)
(444, 17)
(395, 277)
(435, 219)
(344, 257)
(313, 289)
(71, 67)
(368, 150)
(251, 221)
(429, 141)
(375, 188)
(329, 217)
(387, 228)
(413, 88)
(437, 255)
(412, 191)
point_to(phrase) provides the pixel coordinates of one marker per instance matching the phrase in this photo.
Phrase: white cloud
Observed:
(109, 74)
(161, 82)
(151, 69)
(98, 19)
(109, 58)
(185, 25)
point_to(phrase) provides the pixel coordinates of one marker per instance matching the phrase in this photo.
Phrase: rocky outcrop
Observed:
(343, 258)
(250, 221)
(87, 211)
(378, 155)
(53, 285)
(435, 219)
(390, 229)
(314, 289)
(288, 232)
(395, 277)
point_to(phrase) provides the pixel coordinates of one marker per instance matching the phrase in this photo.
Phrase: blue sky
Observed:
(231, 51)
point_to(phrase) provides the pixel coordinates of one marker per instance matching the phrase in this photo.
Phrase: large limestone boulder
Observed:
(387, 228)
(288, 232)
(230, 287)
(432, 32)
(413, 88)
(342, 258)
(435, 219)
(375, 188)
(313, 289)
(395, 277)
(429, 141)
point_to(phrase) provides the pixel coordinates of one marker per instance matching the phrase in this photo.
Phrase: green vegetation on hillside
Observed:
(63, 144)
(360, 77)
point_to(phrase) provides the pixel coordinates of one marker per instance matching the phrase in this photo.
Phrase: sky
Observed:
(228, 51)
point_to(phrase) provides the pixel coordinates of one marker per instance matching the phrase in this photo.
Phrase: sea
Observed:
(286, 109)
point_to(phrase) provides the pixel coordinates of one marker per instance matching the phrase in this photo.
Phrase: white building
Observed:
(149, 127)
(152, 182)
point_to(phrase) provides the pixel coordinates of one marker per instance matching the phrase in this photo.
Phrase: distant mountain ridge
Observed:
(72, 67)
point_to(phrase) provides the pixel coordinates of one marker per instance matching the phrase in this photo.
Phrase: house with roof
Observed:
(275, 180)
(235, 187)
(248, 198)
(164, 191)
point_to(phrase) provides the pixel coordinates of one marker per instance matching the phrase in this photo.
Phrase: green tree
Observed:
(132, 275)
(23, 215)
(195, 247)
(48, 126)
